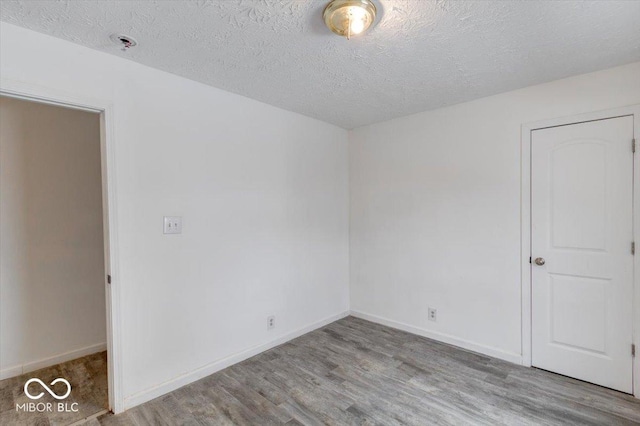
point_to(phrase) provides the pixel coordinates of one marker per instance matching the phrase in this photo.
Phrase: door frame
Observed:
(525, 223)
(20, 90)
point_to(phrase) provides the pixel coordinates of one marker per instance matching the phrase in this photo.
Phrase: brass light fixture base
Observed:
(349, 17)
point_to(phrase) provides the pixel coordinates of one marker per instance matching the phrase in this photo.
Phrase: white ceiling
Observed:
(419, 55)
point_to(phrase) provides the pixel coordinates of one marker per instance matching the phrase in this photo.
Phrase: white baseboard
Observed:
(7, 373)
(185, 379)
(17, 370)
(513, 357)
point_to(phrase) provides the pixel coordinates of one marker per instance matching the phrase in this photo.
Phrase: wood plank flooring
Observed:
(88, 379)
(356, 372)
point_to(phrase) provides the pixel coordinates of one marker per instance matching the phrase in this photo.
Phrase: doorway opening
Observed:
(54, 262)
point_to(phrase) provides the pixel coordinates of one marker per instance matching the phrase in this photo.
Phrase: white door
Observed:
(582, 264)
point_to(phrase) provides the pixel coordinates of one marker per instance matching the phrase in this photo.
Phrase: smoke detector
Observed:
(124, 41)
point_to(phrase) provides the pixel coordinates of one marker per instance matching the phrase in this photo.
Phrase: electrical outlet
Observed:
(271, 322)
(433, 313)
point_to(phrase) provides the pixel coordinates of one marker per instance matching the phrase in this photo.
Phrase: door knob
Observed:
(539, 261)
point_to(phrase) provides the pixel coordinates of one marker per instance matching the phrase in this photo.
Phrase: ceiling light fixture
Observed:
(349, 17)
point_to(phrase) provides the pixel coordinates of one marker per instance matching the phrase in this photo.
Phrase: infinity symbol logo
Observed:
(47, 388)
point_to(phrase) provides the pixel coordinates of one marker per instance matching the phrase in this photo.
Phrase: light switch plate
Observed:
(173, 224)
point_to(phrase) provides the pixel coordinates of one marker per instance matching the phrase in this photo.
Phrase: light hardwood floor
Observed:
(88, 379)
(356, 372)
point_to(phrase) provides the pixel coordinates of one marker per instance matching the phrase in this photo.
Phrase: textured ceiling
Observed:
(419, 55)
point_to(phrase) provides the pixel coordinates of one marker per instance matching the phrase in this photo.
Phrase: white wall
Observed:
(52, 302)
(435, 210)
(264, 197)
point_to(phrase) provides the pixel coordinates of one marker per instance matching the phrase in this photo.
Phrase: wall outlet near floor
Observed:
(271, 322)
(433, 314)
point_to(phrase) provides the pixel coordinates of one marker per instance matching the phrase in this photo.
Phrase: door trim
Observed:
(525, 223)
(36, 93)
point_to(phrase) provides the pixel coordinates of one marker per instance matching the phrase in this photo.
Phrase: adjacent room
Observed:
(52, 257)
(53, 318)
(306, 212)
